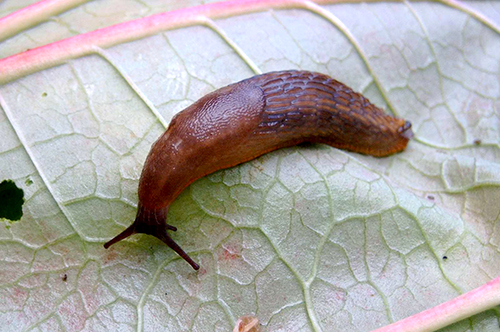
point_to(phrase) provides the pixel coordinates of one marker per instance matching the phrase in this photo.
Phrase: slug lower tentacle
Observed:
(247, 119)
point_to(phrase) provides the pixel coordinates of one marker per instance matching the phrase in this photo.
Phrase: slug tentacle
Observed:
(130, 230)
(242, 121)
(153, 223)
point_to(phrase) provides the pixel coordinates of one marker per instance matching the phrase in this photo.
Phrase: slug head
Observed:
(153, 222)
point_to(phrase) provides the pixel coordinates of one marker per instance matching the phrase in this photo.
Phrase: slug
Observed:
(244, 120)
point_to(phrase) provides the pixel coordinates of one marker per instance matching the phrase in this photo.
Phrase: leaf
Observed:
(305, 238)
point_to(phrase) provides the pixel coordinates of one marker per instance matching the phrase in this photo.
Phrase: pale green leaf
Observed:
(306, 238)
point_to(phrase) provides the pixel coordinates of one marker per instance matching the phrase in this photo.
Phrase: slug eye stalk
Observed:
(158, 230)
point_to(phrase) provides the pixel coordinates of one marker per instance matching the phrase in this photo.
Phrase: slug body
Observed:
(242, 121)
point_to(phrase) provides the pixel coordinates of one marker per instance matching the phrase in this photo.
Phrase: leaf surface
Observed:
(306, 238)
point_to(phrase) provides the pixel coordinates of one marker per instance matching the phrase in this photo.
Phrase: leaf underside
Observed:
(306, 238)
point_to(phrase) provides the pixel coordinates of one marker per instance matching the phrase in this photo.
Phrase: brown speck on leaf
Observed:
(247, 323)
(65, 277)
(430, 197)
(477, 141)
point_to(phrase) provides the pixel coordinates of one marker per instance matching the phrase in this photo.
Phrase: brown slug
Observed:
(244, 120)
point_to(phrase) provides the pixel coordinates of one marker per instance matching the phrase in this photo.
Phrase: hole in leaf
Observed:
(11, 201)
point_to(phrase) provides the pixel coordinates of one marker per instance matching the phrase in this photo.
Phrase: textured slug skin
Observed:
(247, 119)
